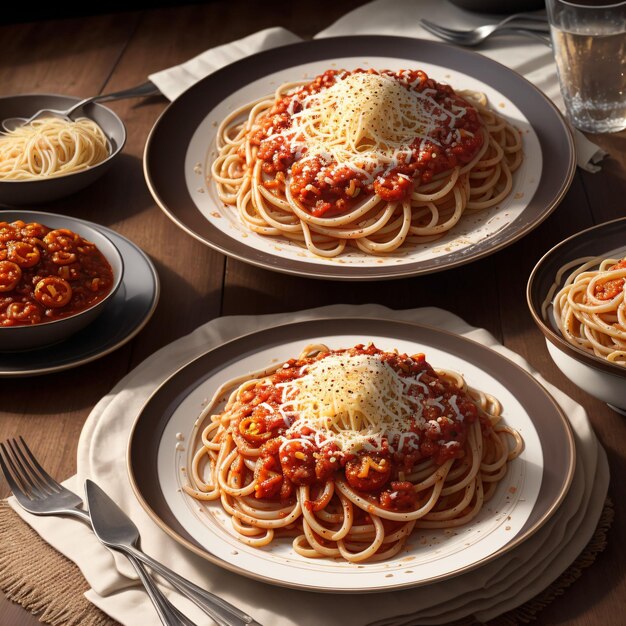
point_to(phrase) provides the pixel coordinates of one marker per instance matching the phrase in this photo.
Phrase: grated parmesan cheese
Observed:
(365, 122)
(354, 400)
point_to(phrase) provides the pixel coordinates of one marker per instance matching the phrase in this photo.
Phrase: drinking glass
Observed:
(589, 41)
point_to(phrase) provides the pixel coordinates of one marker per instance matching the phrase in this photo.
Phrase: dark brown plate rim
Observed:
(166, 147)
(589, 242)
(553, 428)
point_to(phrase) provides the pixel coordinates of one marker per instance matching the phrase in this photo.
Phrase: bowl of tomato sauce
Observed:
(56, 276)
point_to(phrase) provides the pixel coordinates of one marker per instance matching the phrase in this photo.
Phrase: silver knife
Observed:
(110, 528)
(117, 531)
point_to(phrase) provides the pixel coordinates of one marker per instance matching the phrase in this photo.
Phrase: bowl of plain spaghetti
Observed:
(52, 158)
(576, 294)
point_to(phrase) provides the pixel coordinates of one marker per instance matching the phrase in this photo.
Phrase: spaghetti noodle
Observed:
(375, 160)
(348, 451)
(590, 308)
(50, 147)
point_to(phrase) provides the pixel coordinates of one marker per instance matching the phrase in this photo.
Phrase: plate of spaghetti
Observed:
(360, 158)
(350, 455)
(576, 294)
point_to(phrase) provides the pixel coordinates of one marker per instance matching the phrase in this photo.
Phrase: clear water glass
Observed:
(589, 41)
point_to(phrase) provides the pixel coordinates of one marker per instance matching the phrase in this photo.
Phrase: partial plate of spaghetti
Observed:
(360, 158)
(576, 296)
(589, 308)
(350, 455)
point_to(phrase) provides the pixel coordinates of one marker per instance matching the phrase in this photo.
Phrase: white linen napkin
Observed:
(531, 59)
(174, 80)
(485, 592)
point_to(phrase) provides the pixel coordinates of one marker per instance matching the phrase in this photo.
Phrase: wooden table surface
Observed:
(89, 55)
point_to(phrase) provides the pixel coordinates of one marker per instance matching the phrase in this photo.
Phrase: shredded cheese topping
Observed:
(366, 122)
(351, 400)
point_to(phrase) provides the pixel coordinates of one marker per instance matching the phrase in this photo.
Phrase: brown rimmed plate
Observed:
(530, 493)
(179, 150)
(598, 376)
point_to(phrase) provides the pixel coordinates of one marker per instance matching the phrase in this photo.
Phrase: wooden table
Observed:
(89, 55)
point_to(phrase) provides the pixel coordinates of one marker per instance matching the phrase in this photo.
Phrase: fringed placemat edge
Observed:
(42, 580)
(49, 585)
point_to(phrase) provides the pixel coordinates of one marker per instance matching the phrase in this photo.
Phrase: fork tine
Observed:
(432, 27)
(33, 487)
(445, 35)
(12, 475)
(438, 28)
(5, 470)
(42, 472)
(30, 484)
(28, 472)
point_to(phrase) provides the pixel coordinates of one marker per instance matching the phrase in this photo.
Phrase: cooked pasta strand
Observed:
(341, 449)
(361, 160)
(50, 147)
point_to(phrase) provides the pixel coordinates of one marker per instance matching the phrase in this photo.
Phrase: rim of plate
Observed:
(248, 344)
(182, 118)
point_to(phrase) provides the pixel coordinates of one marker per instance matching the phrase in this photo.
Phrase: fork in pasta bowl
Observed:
(52, 158)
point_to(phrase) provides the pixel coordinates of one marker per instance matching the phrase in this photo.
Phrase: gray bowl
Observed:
(597, 376)
(20, 192)
(18, 338)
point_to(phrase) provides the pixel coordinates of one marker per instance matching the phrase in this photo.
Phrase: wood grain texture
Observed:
(84, 56)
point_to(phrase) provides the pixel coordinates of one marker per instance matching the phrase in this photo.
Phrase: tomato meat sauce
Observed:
(611, 288)
(47, 274)
(293, 455)
(325, 187)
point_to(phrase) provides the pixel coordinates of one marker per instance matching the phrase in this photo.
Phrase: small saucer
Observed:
(126, 314)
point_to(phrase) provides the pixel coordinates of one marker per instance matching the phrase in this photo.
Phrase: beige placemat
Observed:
(552, 550)
(49, 585)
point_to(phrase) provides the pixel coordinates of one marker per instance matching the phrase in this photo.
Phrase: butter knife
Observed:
(117, 531)
(109, 527)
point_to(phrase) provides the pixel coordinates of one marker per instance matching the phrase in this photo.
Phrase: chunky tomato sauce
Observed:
(47, 274)
(611, 288)
(378, 472)
(325, 187)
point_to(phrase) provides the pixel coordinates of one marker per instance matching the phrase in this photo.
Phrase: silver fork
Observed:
(146, 89)
(534, 26)
(38, 493)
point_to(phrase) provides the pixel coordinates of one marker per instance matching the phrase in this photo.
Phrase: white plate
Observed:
(181, 148)
(523, 501)
(472, 228)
